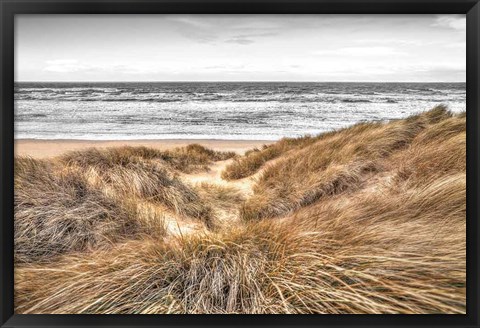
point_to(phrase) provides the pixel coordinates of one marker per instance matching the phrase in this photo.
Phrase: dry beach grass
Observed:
(367, 219)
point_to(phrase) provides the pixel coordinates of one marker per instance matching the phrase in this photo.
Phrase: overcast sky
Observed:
(240, 48)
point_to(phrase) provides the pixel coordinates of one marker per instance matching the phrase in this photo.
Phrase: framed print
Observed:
(271, 163)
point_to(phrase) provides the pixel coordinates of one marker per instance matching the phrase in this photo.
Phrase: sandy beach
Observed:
(51, 148)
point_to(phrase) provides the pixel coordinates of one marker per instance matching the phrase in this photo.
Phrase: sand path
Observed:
(224, 216)
(214, 176)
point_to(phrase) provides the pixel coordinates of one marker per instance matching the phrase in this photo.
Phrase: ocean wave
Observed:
(234, 92)
(356, 101)
(215, 110)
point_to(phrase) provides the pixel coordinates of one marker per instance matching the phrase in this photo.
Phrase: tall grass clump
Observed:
(254, 159)
(436, 152)
(187, 159)
(56, 212)
(332, 165)
(194, 157)
(131, 175)
(223, 197)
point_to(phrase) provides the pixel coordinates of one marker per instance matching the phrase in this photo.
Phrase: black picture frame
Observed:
(9, 8)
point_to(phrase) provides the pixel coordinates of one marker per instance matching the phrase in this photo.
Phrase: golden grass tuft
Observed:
(56, 212)
(333, 165)
(187, 159)
(137, 172)
(254, 159)
(219, 196)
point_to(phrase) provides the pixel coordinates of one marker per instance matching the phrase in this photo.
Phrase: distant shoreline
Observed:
(45, 148)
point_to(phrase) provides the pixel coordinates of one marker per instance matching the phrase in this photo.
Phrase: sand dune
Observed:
(367, 219)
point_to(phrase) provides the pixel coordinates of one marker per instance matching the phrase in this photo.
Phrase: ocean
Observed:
(216, 110)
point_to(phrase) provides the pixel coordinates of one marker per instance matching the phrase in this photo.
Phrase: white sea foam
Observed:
(243, 111)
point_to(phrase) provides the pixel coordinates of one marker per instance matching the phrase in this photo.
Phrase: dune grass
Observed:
(92, 199)
(147, 174)
(56, 212)
(186, 159)
(367, 219)
(337, 163)
(219, 196)
(377, 258)
(254, 159)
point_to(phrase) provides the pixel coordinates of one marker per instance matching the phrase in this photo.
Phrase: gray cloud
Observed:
(242, 41)
(246, 39)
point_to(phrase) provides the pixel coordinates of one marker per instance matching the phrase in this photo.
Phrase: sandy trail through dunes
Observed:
(214, 176)
(224, 216)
